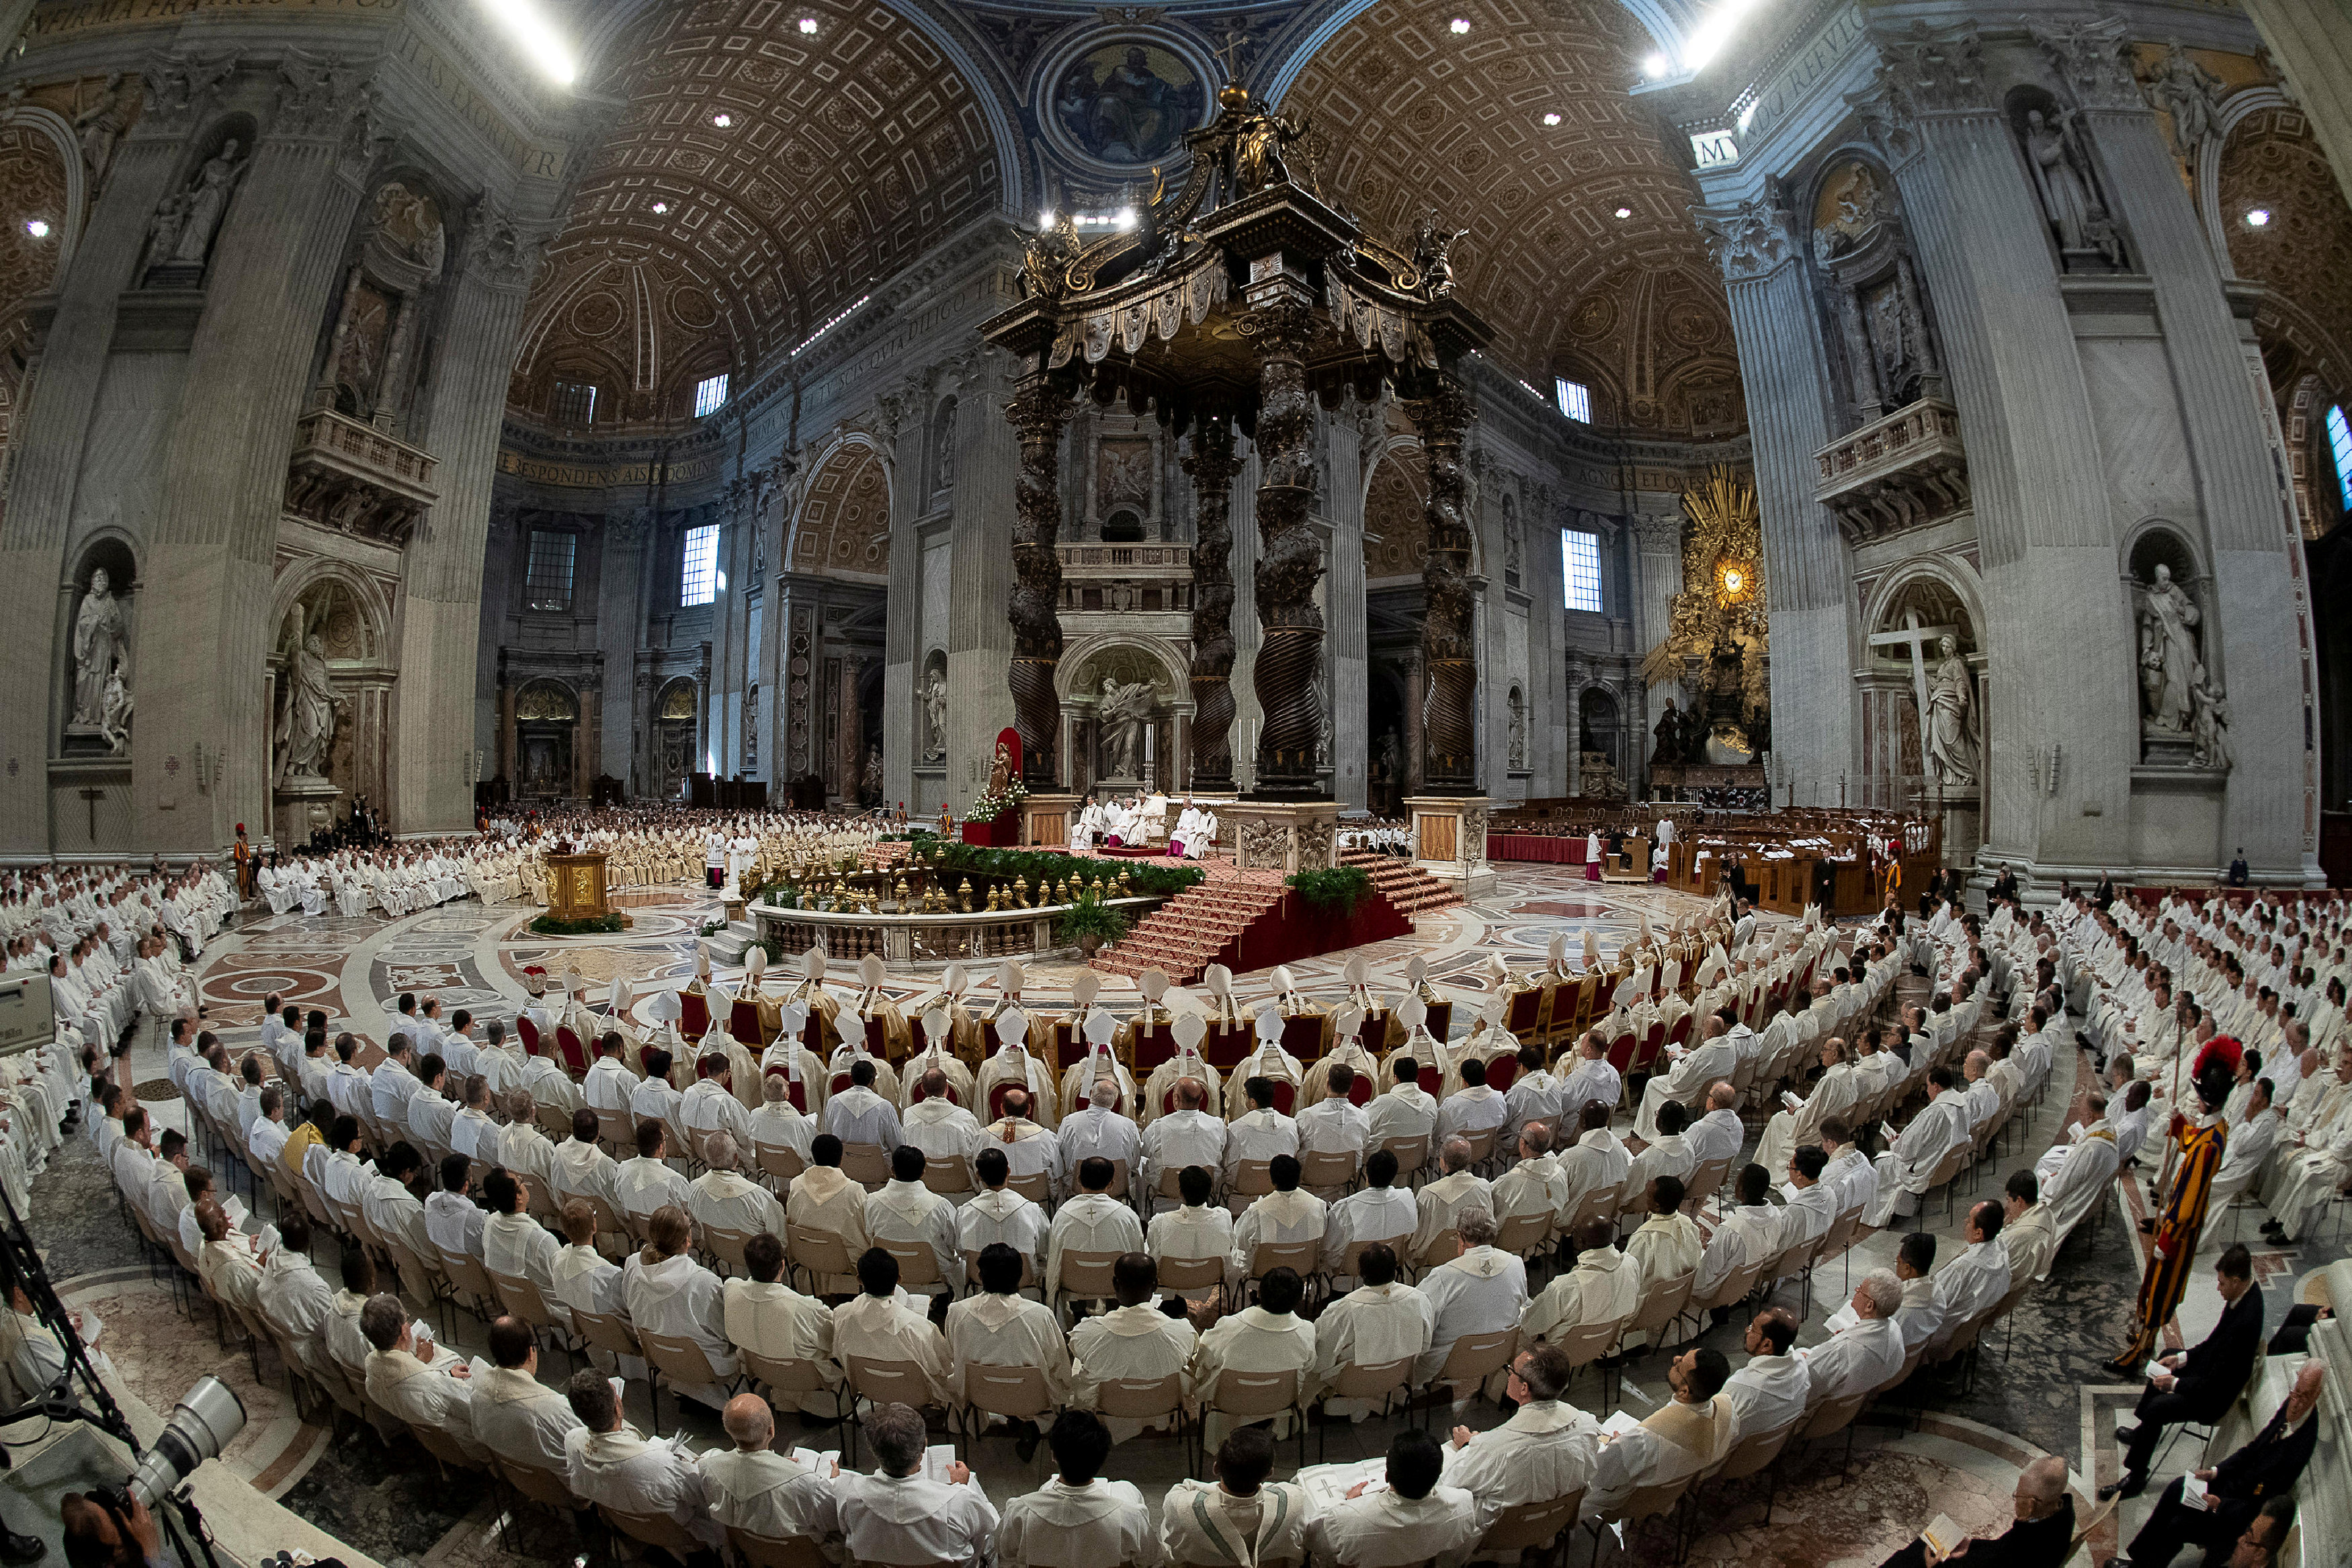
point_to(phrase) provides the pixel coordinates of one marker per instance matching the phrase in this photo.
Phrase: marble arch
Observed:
(1076, 667)
(849, 485)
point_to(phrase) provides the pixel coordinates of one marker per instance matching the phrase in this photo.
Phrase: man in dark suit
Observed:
(2197, 1385)
(2238, 1487)
(2041, 1537)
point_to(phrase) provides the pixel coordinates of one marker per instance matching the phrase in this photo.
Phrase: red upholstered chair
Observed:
(1158, 1044)
(1441, 1018)
(1680, 1034)
(839, 1081)
(1359, 1093)
(1286, 1096)
(996, 1094)
(1622, 1049)
(1525, 1012)
(1303, 1036)
(1500, 1070)
(916, 1096)
(1432, 1080)
(812, 1033)
(877, 1041)
(1224, 1045)
(528, 1033)
(694, 1015)
(1069, 1045)
(743, 1023)
(570, 1052)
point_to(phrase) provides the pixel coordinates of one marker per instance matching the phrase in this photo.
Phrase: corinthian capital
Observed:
(497, 251)
(1749, 241)
(180, 88)
(1921, 71)
(319, 95)
(2094, 61)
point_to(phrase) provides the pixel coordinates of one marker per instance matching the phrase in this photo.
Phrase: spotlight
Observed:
(1460, 23)
(722, 119)
(208, 1416)
(808, 24)
(660, 207)
(37, 227)
(1625, 212)
(2256, 218)
(1552, 118)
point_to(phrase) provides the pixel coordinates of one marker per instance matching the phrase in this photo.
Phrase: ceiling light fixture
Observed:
(1460, 23)
(660, 207)
(722, 119)
(536, 35)
(808, 24)
(2258, 218)
(37, 227)
(1552, 118)
(1625, 212)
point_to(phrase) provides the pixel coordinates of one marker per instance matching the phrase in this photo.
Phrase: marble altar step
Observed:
(1409, 889)
(727, 946)
(1183, 936)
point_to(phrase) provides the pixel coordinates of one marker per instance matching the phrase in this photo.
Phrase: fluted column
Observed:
(1807, 569)
(1038, 410)
(1212, 465)
(1281, 319)
(269, 284)
(441, 608)
(1449, 725)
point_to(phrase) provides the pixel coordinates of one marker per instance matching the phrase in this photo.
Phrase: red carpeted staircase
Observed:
(1409, 890)
(1184, 936)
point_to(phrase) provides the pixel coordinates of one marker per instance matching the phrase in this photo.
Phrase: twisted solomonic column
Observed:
(1037, 410)
(1448, 724)
(1212, 466)
(1290, 557)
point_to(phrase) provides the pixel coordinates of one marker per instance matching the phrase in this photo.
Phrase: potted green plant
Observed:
(1092, 924)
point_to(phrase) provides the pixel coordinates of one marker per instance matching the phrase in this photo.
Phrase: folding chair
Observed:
(1012, 1393)
(683, 1363)
(1369, 1381)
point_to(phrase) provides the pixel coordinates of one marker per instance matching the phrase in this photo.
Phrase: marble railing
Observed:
(1125, 560)
(906, 940)
(351, 476)
(1901, 472)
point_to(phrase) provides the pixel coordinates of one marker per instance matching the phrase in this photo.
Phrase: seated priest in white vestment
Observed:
(608, 1459)
(828, 1203)
(1906, 1166)
(422, 1384)
(1685, 1076)
(1412, 1519)
(1603, 1288)
(710, 1104)
(1479, 1291)
(1097, 1128)
(1474, 1108)
(452, 1220)
(754, 1488)
(1090, 1221)
(668, 1292)
(1405, 1113)
(767, 1318)
(723, 1199)
(1188, 1136)
(1380, 1210)
(293, 1299)
(1134, 1341)
(910, 1214)
(1772, 1389)
(1689, 1433)
(514, 1243)
(936, 1124)
(1028, 1148)
(997, 1326)
(1534, 1187)
(1598, 1162)
(1193, 1232)
(883, 1322)
(901, 1514)
(1380, 1321)
(2027, 1234)
(647, 1181)
(1269, 1336)
(999, 1214)
(1972, 1283)
(1241, 1519)
(1077, 1519)
(778, 1127)
(1260, 1133)
(2247, 1152)
(860, 1115)
(1865, 1353)
(516, 1417)
(1546, 1451)
(1668, 1154)
(1439, 1204)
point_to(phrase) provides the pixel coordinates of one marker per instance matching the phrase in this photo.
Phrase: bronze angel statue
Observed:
(1431, 244)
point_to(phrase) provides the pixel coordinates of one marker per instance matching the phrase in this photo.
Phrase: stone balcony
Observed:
(1126, 578)
(1132, 560)
(348, 475)
(1901, 472)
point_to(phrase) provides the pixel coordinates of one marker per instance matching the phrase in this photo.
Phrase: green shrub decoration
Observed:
(547, 926)
(1089, 916)
(1144, 877)
(1340, 887)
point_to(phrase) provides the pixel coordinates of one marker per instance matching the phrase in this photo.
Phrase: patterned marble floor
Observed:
(2038, 1391)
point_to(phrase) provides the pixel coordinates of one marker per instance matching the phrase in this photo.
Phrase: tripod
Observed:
(21, 1266)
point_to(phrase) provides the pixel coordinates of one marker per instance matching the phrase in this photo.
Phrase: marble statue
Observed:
(100, 641)
(99, 126)
(207, 204)
(163, 231)
(2192, 95)
(1669, 733)
(2169, 664)
(2212, 724)
(2063, 181)
(871, 794)
(1431, 257)
(306, 725)
(116, 722)
(1951, 717)
(1123, 711)
(1519, 738)
(935, 716)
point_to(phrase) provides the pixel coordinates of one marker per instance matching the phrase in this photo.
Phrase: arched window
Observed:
(2339, 443)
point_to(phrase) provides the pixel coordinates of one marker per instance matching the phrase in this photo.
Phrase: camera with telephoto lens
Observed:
(209, 1415)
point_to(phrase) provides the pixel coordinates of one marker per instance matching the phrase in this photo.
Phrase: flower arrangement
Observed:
(986, 807)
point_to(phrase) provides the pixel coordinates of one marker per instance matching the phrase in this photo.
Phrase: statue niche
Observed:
(2184, 714)
(1883, 341)
(97, 694)
(401, 255)
(2065, 181)
(321, 753)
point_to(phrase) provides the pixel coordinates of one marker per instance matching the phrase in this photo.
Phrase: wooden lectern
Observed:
(575, 886)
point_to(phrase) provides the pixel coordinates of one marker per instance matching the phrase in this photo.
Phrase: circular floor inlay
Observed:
(162, 1091)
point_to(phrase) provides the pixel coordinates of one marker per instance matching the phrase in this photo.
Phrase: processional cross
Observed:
(1916, 638)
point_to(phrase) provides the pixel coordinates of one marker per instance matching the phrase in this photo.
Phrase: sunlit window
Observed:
(1575, 399)
(548, 583)
(2339, 441)
(709, 394)
(575, 403)
(700, 578)
(1579, 560)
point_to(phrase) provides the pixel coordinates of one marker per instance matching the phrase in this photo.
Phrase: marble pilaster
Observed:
(1343, 600)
